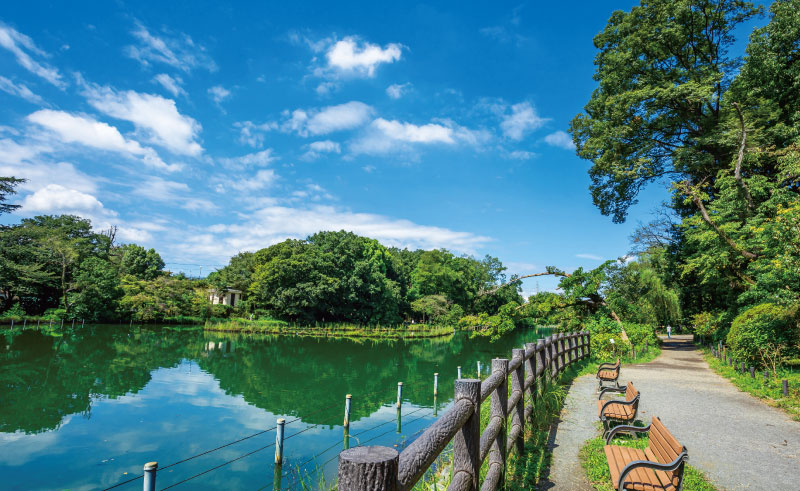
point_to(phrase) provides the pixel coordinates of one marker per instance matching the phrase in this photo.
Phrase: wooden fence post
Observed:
(563, 348)
(499, 410)
(530, 369)
(373, 468)
(467, 442)
(541, 352)
(518, 385)
(553, 357)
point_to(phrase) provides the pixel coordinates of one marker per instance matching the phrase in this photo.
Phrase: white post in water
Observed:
(150, 469)
(399, 394)
(347, 400)
(279, 442)
(459, 373)
(435, 384)
(479, 369)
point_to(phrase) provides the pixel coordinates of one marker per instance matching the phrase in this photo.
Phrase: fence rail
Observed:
(384, 469)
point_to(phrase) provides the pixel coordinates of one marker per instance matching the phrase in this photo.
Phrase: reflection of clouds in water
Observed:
(27, 447)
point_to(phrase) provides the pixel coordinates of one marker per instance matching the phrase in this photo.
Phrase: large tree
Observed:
(7, 187)
(657, 112)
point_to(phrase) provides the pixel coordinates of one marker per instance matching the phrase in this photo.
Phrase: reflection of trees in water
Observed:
(46, 376)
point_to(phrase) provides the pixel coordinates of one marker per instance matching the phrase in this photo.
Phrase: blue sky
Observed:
(204, 129)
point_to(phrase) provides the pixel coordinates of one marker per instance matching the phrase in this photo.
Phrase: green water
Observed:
(86, 408)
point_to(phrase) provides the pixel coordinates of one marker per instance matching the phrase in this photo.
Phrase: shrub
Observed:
(54, 314)
(603, 325)
(639, 333)
(15, 312)
(761, 329)
(604, 349)
(706, 324)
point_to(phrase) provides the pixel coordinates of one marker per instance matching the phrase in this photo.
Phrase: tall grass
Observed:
(275, 326)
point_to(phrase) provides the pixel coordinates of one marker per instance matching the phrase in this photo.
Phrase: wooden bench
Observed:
(608, 372)
(620, 411)
(660, 466)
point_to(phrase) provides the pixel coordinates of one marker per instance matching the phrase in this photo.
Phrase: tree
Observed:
(662, 71)
(145, 264)
(7, 187)
(431, 307)
(97, 290)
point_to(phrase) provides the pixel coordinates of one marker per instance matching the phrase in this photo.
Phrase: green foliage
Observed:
(15, 312)
(165, 296)
(7, 185)
(706, 324)
(760, 329)
(639, 333)
(141, 263)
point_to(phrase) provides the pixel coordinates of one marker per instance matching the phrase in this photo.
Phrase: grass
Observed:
(274, 326)
(641, 357)
(770, 392)
(593, 460)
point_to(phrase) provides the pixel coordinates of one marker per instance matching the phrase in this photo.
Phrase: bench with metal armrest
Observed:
(660, 466)
(608, 372)
(618, 410)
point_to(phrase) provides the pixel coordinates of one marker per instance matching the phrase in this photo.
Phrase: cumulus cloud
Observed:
(39, 174)
(251, 182)
(560, 139)
(273, 224)
(219, 93)
(396, 91)
(328, 119)
(178, 51)
(521, 120)
(384, 136)
(252, 134)
(172, 84)
(161, 190)
(19, 90)
(55, 198)
(24, 50)
(71, 128)
(154, 116)
(316, 149)
(354, 57)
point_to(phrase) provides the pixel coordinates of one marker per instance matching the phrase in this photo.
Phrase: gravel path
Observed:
(737, 440)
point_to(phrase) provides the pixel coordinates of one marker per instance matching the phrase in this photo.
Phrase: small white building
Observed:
(228, 296)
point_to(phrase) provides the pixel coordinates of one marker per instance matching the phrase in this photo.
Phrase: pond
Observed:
(86, 408)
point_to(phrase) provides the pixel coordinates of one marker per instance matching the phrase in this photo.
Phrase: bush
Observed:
(15, 312)
(762, 329)
(603, 325)
(604, 349)
(639, 333)
(707, 325)
(54, 314)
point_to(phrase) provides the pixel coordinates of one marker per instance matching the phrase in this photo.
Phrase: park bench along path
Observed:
(737, 440)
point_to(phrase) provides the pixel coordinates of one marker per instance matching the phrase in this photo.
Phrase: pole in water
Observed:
(82, 321)
(479, 369)
(399, 394)
(435, 384)
(276, 478)
(150, 469)
(279, 442)
(25, 323)
(12, 323)
(62, 322)
(459, 372)
(37, 323)
(347, 400)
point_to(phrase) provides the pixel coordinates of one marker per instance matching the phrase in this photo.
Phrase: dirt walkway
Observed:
(737, 440)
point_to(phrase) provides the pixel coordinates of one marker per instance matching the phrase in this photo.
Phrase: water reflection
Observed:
(106, 399)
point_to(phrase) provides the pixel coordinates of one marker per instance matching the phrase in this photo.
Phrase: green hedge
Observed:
(763, 329)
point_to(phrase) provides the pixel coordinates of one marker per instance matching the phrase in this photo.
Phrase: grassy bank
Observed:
(274, 326)
(593, 460)
(770, 392)
(590, 368)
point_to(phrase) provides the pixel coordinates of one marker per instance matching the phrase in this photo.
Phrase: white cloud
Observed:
(219, 93)
(41, 174)
(316, 149)
(521, 155)
(523, 119)
(593, 257)
(164, 191)
(350, 56)
(172, 84)
(158, 118)
(560, 139)
(84, 130)
(178, 51)
(19, 90)
(248, 183)
(252, 134)
(384, 136)
(25, 50)
(55, 198)
(327, 119)
(256, 159)
(396, 91)
(273, 224)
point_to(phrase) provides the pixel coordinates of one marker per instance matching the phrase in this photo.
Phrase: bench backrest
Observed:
(630, 392)
(665, 448)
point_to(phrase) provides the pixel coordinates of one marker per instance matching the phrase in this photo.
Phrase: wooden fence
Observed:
(384, 469)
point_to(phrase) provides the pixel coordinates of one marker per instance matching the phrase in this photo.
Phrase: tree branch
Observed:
(737, 173)
(689, 191)
(520, 278)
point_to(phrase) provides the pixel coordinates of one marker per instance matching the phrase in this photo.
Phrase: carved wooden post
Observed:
(530, 369)
(499, 410)
(467, 442)
(518, 385)
(373, 468)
